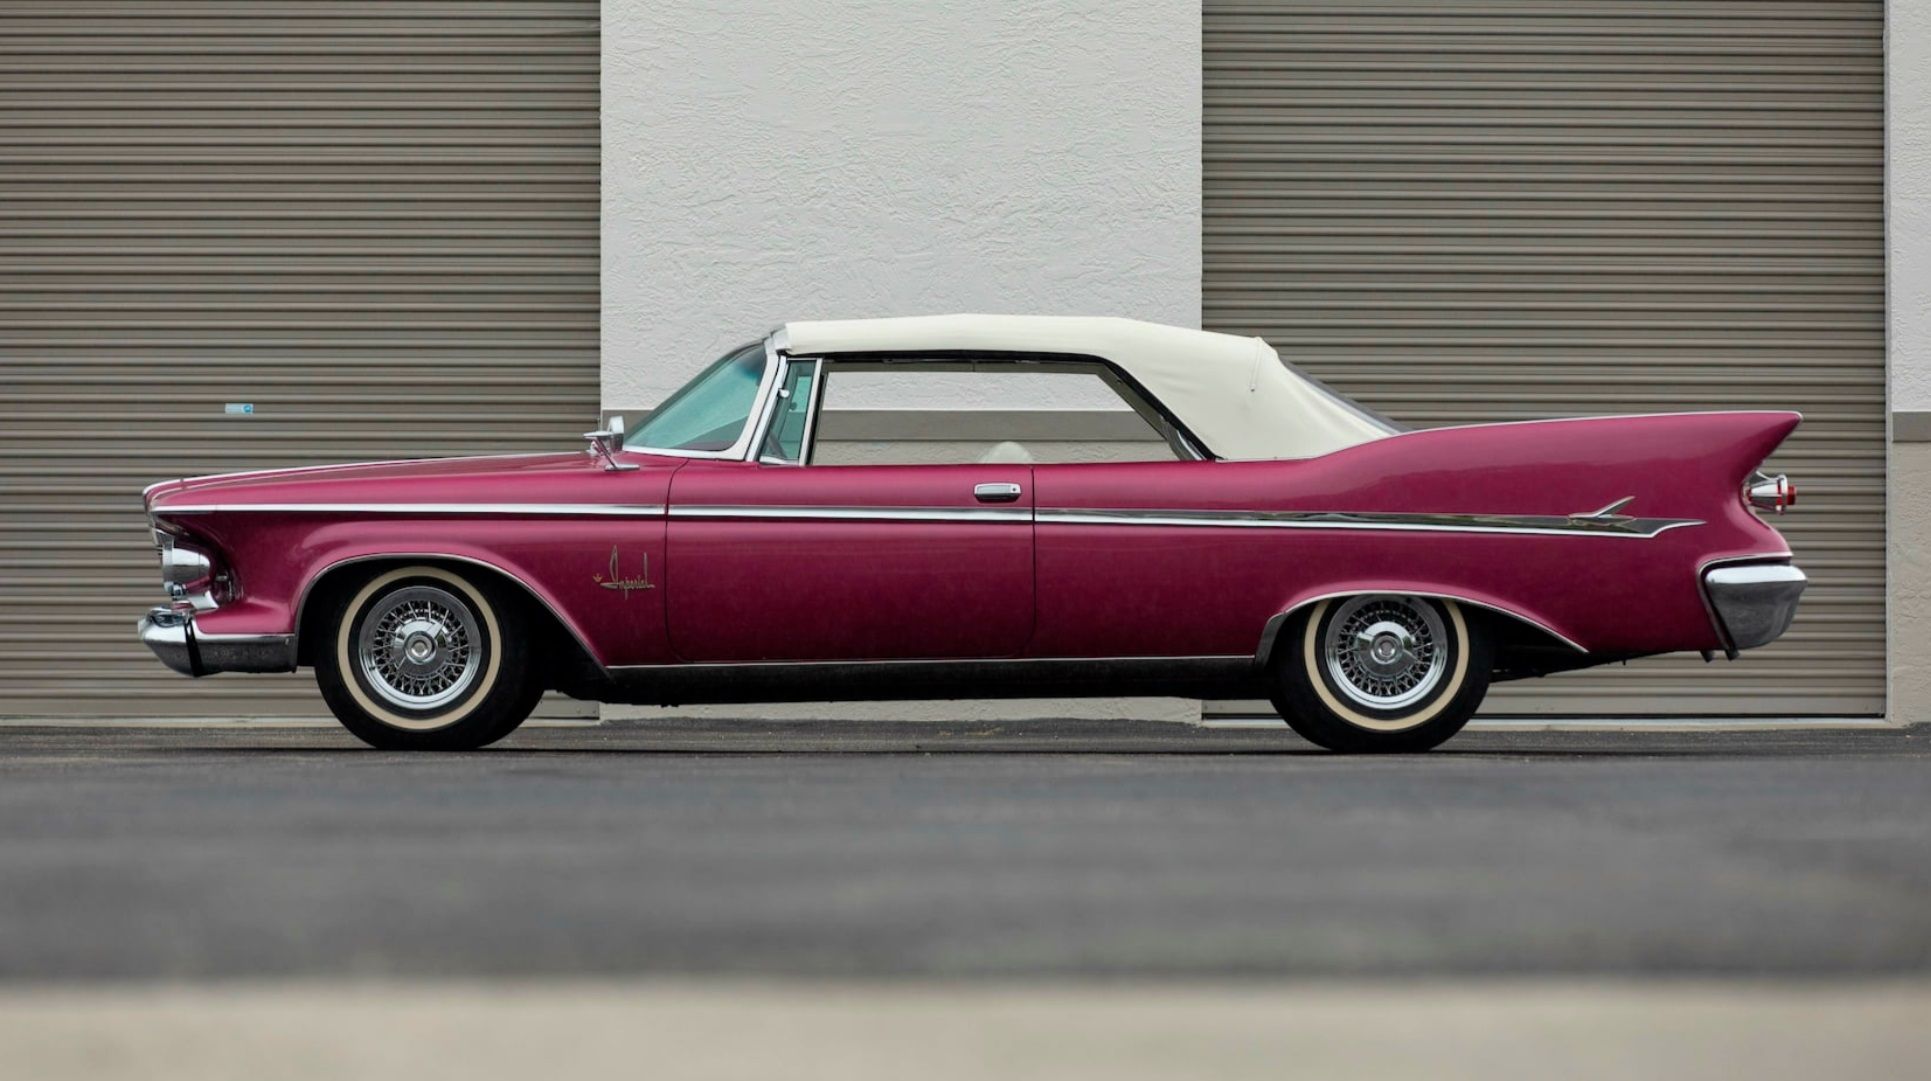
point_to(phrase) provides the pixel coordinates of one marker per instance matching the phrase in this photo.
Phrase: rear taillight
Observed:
(1771, 493)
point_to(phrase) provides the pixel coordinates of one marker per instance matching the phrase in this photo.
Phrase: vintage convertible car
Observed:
(1371, 581)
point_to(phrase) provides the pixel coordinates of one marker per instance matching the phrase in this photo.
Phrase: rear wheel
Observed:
(1380, 672)
(423, 658)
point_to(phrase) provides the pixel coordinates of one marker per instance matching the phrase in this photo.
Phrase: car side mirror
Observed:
(606, 442)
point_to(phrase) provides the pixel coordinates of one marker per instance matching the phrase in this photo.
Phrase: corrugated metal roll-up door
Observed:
(1516, 209)
(373, 223)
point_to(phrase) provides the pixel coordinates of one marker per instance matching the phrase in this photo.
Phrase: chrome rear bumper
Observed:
(1754, 603)
(172, 637)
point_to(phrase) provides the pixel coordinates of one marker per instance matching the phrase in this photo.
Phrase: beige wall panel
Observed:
(1910, 689)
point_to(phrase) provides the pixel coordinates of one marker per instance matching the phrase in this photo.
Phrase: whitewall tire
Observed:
(1381, 672)
(425, 658)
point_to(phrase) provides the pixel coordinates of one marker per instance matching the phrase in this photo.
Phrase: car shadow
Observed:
(1047, 738)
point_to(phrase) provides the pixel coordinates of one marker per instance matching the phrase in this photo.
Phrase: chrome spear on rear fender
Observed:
(1609, 513)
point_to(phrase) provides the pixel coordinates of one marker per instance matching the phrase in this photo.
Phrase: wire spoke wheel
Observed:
(426, 658)
(419, 648)
(1385, 652)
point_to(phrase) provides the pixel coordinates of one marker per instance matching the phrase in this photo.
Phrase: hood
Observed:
(437, 480)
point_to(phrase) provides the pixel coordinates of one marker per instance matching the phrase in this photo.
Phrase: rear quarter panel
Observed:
(1108, 590)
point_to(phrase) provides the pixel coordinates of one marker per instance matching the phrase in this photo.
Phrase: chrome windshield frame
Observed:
(775, 358)
(754, 422)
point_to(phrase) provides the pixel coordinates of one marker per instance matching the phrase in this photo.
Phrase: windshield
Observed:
(709, 412)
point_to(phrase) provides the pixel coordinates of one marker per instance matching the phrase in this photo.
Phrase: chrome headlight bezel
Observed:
(188, 572)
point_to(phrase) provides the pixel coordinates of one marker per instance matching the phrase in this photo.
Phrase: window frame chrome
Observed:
(777, 358)
(786, 364)
(752, 435)
(808, 447)
(1176, 436)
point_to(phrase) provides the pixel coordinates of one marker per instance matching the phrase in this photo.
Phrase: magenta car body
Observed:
(731, 575)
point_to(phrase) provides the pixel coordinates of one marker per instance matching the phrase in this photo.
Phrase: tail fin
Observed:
(1753, 437)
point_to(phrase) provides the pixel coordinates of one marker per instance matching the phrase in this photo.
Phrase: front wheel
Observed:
(422, 658)
(1380, 672)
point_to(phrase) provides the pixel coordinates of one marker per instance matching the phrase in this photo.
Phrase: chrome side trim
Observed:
(1537, 525)
(547, 510)
(301, 602)
(862, 514)
(1611, 511)
(1553, 525)
(1265, 651)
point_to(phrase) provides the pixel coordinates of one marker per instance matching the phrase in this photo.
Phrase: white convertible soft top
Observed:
(1233, 393)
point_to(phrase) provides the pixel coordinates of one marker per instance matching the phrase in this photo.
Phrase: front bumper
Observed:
(171, 636)
(1754, 603)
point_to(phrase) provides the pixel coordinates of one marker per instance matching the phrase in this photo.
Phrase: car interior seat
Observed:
(1007, 452)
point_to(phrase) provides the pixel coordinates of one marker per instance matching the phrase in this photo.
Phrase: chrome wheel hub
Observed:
(419, 648)
(1385, 652)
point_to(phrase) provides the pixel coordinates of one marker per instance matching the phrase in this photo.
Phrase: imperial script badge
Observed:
(618, 582)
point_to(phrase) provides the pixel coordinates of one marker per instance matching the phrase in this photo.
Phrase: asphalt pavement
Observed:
(1035, 851)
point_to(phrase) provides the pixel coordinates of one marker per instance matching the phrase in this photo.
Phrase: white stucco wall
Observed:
(1907, 192)
(766, 160)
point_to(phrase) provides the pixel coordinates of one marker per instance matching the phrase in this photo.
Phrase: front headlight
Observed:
(186, 571)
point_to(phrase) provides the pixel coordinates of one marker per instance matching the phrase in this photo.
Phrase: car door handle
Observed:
(995, 493)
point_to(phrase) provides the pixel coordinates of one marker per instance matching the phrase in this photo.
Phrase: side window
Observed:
(917, 412)
(786, 440)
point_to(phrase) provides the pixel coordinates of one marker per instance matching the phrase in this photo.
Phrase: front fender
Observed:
(562, 564)
(503, 569)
